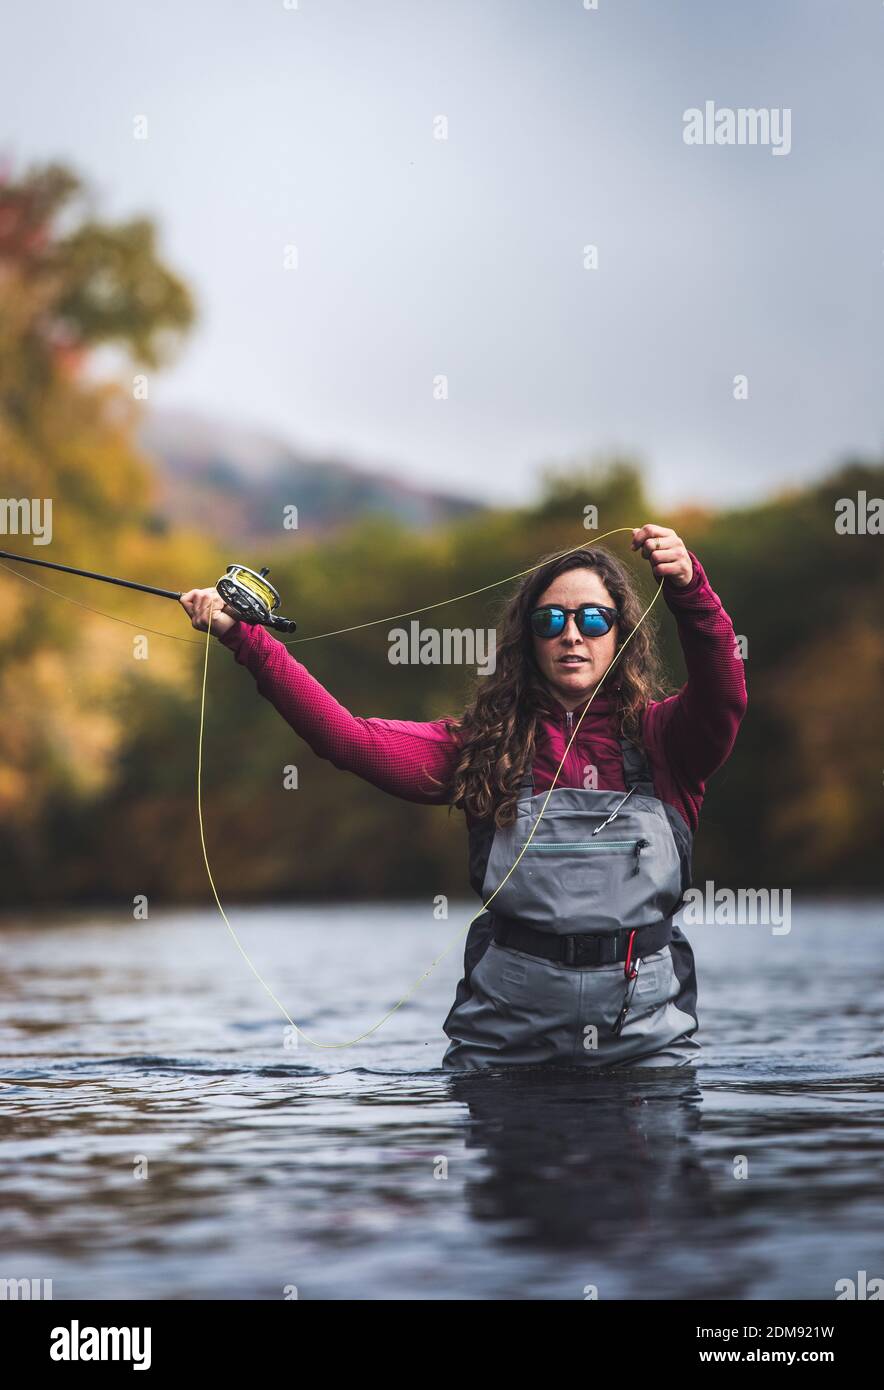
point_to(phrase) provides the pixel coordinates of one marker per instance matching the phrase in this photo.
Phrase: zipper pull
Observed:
(639, 846)
(615, 812)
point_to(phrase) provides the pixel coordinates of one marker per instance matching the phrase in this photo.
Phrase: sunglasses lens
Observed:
(547, 622)
(592, 622)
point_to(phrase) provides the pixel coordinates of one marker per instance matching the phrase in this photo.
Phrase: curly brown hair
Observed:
(497, 730)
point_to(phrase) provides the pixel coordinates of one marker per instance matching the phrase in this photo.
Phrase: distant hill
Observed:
(242, 479)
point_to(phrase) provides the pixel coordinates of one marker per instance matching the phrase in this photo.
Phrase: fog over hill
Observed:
(243, 478)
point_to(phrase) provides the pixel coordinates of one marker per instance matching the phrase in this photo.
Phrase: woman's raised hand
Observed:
(667, 553)
(198, 604)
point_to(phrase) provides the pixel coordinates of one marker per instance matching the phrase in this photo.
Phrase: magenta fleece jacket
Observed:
(687, 736)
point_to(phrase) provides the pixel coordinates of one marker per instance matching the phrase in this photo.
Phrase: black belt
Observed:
(582, 948)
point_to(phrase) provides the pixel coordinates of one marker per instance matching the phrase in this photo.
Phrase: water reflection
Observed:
(586, 1161)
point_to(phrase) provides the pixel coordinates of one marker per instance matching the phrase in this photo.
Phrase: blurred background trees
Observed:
(98, 749)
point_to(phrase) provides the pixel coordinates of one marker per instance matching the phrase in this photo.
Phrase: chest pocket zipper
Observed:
(633, 847)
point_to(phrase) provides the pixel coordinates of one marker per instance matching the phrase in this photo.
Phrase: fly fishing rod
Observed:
(248, 592)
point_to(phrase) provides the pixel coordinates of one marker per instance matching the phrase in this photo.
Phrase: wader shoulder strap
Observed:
(636, 772)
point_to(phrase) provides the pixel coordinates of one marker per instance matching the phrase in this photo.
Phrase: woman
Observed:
(577, 962)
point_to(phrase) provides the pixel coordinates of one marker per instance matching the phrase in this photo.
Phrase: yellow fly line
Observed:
(316, 636)
(337, 632)
(351, 1042)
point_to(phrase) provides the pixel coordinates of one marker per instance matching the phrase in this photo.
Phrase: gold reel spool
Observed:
(253, 597)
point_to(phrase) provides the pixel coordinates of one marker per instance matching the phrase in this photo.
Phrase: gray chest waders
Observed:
(578, 962)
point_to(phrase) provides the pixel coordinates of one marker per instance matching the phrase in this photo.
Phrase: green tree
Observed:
(69, 284)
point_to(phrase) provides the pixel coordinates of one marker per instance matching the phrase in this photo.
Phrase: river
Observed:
(160, 1140)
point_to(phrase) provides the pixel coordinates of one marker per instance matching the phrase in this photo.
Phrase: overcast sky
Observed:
(419, 257)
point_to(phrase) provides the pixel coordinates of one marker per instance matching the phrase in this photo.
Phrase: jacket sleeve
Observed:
(398, 756)
(697, 727)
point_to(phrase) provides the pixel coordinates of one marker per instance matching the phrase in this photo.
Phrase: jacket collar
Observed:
(604, 704)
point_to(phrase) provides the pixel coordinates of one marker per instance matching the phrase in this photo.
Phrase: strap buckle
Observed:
(592, 949)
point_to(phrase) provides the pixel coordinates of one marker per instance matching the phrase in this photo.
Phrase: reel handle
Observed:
(280, 624)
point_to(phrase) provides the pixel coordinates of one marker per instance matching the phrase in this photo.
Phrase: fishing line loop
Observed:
(337, 632)
(351, 1042)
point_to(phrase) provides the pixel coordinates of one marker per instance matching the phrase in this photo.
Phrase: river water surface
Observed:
(159, 1140)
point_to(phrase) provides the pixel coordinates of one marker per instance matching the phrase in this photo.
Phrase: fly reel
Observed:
(253, 598)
